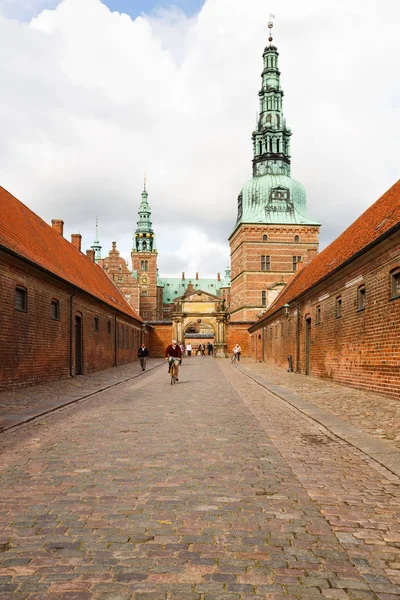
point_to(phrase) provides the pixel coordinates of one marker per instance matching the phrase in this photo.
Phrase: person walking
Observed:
(189, 349)
(143, 355)
(209, 348)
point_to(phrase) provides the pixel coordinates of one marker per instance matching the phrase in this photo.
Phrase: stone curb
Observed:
(18, 420)
(382, 451)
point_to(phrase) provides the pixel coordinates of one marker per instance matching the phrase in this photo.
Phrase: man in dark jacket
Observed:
(173, 352)
(143, 355)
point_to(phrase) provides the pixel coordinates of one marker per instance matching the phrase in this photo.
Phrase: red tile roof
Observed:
(377, 220)
(26, 234)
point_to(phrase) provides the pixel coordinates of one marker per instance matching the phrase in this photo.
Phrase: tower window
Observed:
(144, 265)
(338, 307)
(361, 298)
(263, 298)
(55, 310)
(143, 293)
(21, 299)
(265, 263)
(265, 238)
(296, 238)
(295, 260)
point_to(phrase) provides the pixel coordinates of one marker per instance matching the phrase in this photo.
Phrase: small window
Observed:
(265, 263)
(143, 293)
(296, 238)
(109, 326)
(265, 238)
(119, 278)
(281, 329)
(361, 298)
(295, 260)
(21, 299)
(318, 315)
(55, 310)
(395, 284)
(338, 307)
(264, 298)
(96, 323)
(289, 326)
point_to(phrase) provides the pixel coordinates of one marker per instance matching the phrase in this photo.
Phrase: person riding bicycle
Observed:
(173, 353)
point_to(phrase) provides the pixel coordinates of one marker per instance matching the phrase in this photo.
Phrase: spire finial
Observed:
(270, 26)
(145, 181)
(97, 228)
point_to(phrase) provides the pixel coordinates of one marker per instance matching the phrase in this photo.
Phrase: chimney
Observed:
(76, 240)
(90, 254)
(58, 224)
(311, 253)
(218, 276)
(183, 276)
(197, 276)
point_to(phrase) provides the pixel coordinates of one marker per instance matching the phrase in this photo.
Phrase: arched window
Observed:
(143, 293)
(296, 238)
(265, 238)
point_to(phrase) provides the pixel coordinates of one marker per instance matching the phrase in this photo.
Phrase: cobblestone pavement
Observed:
(375, 414)
(212, 489)
(21, 404)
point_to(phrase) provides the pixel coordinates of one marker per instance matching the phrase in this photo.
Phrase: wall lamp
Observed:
(286, 308)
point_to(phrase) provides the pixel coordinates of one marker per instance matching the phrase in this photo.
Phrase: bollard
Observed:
(290, 363)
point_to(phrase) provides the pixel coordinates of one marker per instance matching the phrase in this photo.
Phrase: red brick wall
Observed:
(247, 247)
(35, 348)
(362, 347)
(238, 333)
(160, 337)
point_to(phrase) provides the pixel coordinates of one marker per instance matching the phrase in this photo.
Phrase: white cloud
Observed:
(90, 99)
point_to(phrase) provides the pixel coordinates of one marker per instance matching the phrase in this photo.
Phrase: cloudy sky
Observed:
(95, 93)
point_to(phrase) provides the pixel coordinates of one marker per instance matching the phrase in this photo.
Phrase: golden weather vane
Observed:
(270, 26)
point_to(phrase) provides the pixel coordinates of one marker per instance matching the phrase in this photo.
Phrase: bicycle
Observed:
(234, 358)
(172, 371)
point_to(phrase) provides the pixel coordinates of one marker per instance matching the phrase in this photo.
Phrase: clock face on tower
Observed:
(144, 280)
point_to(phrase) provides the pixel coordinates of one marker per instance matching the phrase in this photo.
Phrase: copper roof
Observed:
(374, 223)
(28, 236)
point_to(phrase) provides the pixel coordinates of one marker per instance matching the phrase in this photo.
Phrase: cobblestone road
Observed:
(213, 489)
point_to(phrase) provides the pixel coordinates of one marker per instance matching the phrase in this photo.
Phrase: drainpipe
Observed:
(298, 319)
(71, 372)
(115, 340)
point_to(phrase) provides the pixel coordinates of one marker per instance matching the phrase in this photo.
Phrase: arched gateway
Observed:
(200, 317)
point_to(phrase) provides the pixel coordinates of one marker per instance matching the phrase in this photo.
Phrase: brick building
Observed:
(339, 317)
(61, 315)
(273, 232)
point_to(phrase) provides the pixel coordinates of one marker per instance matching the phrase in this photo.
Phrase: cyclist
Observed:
(173, 353)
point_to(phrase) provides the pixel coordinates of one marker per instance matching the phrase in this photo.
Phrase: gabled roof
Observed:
(28, 236)
(374, 223)
(192, 296)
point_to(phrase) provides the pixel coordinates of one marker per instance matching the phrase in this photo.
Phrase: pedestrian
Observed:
(209, 348)
(203, 350)
(189, 349)
(182, 347)
(237, 351)
(143, 355)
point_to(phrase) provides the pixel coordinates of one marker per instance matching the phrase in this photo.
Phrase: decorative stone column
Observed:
(220, 342)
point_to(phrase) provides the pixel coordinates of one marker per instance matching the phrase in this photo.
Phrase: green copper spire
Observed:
(96, 244)
(144, 235)
(271, 139)
(272, 196)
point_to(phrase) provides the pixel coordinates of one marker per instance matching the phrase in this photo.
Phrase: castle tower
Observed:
(273, 232)
(144, 261)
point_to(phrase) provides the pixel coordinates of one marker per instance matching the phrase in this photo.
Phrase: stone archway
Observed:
(199, 332)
